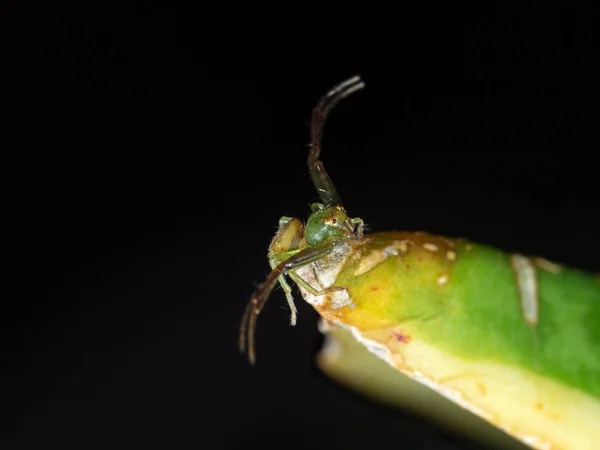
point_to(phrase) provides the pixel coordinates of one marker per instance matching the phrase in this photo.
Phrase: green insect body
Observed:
(513, 339)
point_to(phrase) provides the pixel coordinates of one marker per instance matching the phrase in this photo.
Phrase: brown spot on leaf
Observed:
(401, 337)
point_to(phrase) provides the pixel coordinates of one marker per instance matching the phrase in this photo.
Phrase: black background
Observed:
(161, 145)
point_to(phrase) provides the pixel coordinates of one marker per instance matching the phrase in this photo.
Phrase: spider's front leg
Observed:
(298, 259)
(288, 241)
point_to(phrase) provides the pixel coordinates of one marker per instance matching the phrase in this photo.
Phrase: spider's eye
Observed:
(334, 221)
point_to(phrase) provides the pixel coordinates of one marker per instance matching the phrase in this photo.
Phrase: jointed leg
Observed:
(258, 300)
(287, 289)
(302, 282)
(283, 246)
(290, 299)
(320, 178)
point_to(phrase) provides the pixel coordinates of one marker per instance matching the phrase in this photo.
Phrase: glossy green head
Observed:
(327, 223)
